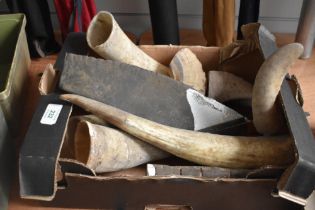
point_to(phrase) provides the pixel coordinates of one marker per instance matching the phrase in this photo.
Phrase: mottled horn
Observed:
(106, 149)
(107, 39)
(188, 69)
(202, 148)
(225, 86)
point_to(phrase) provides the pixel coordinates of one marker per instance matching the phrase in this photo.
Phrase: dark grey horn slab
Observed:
(130, 88)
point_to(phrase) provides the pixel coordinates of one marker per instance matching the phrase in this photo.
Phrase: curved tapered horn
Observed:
(202, 148)
(107, 39)
(225, 86)
(187, 68)
(266, 116)
(105, 149)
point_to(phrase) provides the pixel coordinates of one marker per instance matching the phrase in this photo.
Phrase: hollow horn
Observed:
(202, 148)
(105, 149)
(225, 86)
(266, 116)
(107, 39)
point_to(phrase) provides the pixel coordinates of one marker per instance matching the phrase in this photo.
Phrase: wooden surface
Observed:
(303, 69)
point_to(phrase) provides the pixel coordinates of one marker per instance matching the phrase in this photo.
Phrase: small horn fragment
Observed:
(105, 149)
(266, 116)
(202, 148)
(107, 39)
(187, 68)
(225, 86)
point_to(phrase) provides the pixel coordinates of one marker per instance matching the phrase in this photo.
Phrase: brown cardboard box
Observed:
(78, 187)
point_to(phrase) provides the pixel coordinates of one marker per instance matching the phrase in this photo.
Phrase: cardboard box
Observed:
(46, 175)
(14, 62)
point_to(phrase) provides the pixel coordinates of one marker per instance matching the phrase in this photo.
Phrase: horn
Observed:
(187, 68)
(202, 148)
(266, 116)
(105, 149)
(225, 86)
(107, 39)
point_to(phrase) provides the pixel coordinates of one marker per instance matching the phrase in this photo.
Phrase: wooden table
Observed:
(303, 69)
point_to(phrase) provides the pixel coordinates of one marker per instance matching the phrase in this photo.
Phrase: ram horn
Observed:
(267, 117)
(201, 148)
(225, 86)
(106, 149)
(107, 39)
(187, 68)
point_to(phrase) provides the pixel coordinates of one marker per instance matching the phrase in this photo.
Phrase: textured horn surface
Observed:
(107, 39)
(267, 116)
(225, 86)
(187, 68)
(202, 148)
(105, 149)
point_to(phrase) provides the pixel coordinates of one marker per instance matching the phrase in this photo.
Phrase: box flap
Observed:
(298, 181)
(41, 148)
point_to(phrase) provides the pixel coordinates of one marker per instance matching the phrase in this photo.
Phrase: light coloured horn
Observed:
(68, 144)
(107, 39)
(187, 68)
(267, 117)
(225, 86)
(202, 148)
(105, 149)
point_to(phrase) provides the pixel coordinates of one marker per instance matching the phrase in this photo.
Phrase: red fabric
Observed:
(64, 9)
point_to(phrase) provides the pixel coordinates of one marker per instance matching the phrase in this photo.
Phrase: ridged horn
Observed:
(187, 68)
(107, 39)
(225, 86)
(105, 149)
(267, 118)
(202, 148)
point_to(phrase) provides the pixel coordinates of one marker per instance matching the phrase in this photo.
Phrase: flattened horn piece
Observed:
(107, 39)
(202, 148)
(105, 149)
(143, 93)
(187, 68)
(266, 116)
(225, 86)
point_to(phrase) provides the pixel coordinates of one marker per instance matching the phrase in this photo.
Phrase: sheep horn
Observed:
(187, 68)
(266, 116)
(107, 39)
(225, 86)
(202, 148)
(105, 149)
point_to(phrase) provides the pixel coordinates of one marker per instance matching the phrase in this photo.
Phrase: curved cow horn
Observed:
(202, 148)
(107, 39)
(266, 116)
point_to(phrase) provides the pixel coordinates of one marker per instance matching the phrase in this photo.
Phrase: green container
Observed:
(7, 162)
(14, 62)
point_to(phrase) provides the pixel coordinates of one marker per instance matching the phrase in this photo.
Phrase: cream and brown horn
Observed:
(188, 69)
(267, 117)
(225, 86)
(202, 148)
(106, 149)
(107, 39)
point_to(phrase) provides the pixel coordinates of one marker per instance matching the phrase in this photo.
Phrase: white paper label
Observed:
(51, 114)
(151, 170)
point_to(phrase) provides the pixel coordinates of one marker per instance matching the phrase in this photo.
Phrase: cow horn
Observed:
(202, 148)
